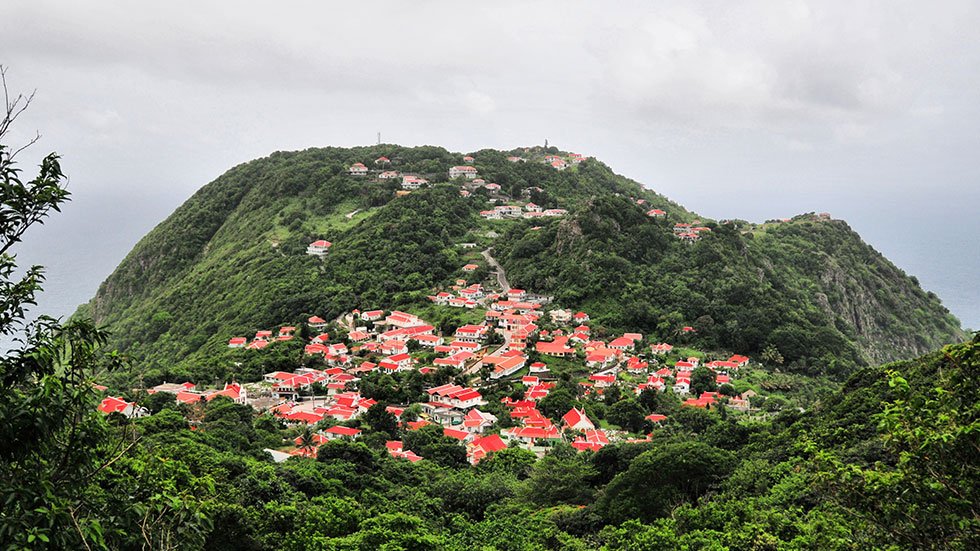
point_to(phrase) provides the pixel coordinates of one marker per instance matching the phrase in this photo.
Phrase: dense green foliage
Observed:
(889, 462)
(810, 288)
(231, 261)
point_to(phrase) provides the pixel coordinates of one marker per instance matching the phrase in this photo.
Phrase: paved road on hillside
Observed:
(501, 276)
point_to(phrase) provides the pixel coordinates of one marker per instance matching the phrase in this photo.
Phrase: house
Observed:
(602, 380)
(508, 210)
(237, 342)
(277, 377)
(517, 294)
(456, 396)
(581, 317)
(388, 174)
(481, 447)
(477, 421)
(508, 367)
(514, 159)
(382, 161)
(232, 390)
(117, 405)
(372, 315)
(577, 419)
(739, 403)
(661, 348)
(304, 417)
(468, 160)
(528, 435)
(316, 322)
(341, 433)
(393, 347)
(556, 348)
(740, 361)
(358, 169)
(555, 212)
(470, 267)
(559, 164)
(318, 248)
(491, 214)
(538, 367)
(593, 440)
(464, 171)
(172, 388)
(560, 316)
(656, 213)
(471, 333)
(413, 182)
(622, 343)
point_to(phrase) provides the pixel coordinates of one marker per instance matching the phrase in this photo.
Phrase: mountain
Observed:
(231, 260)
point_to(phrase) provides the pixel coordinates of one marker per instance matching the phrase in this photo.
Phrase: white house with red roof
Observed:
(232, 390)
(481, 447)
(112, 404)
(316, 322)
(622, 343)
(388, 175)
(413, 182)
(508, 366)
(341, 433)
(382, 161)
(739, 360)
(372, 315)
(358, 169)
(656, 213)
(577, 419)
(318, 248)
(237, 342)
(464, 171)
(661, 348)
(471, 333)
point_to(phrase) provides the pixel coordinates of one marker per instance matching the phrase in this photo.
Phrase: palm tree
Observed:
(307, 441)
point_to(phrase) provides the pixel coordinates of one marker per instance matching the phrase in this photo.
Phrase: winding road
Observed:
(501, 276)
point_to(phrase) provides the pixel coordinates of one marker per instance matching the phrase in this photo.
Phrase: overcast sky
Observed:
(870, 111)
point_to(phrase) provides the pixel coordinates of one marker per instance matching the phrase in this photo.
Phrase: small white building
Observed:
(358, 169)
(318, 248)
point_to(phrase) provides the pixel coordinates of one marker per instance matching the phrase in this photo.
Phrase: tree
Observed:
(307, 440)
(651, 487)
(57, 454)
(702, 380)
(928, 497)
(628, 414)
(380, 420)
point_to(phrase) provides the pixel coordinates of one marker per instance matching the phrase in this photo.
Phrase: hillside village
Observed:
(494, 374)
(484, 381)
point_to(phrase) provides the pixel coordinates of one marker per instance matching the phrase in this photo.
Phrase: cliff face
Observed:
(232, 259)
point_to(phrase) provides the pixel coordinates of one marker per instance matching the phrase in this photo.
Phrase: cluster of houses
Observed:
(409, 181)
(560, 163)
(184, 393)
(263, 338)
(529, 211)
(689, 232)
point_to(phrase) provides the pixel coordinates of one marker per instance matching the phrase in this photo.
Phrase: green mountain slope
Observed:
(232, 260)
